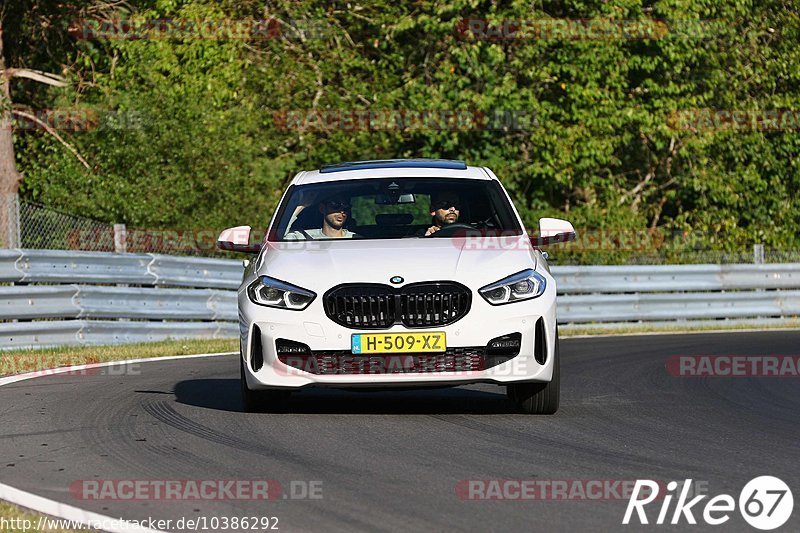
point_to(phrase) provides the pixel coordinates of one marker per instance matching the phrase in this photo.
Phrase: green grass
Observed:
(21, 361)
(678, 328)
(15, 516)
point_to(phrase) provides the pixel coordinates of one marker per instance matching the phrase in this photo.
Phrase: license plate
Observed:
(431, 341)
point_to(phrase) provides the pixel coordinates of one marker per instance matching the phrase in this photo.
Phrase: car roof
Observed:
(393, 168)
(450, 164)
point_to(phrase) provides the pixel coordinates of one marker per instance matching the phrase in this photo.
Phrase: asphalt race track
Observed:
(393, 460)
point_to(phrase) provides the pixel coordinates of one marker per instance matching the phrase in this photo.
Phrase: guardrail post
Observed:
(120, 238)
(758, 254)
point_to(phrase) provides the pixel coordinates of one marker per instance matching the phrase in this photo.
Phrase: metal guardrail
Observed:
(59, 297)
(687, 305)
(63, 266)
(87, 301)
(76, 332)
(669, 278)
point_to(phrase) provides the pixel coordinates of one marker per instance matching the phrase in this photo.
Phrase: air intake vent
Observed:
(343, 362)
(540, 342)
(256, 353)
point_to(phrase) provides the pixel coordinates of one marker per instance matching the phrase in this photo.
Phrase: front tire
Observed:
(539, 398)
(261, 401)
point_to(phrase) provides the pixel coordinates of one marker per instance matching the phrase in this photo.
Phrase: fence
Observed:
(33, 226)
(55, 297)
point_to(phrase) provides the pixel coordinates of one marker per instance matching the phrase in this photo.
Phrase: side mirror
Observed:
(237, 240)
(553, 231)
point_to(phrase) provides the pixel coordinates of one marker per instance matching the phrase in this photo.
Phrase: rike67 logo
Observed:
(765, 503)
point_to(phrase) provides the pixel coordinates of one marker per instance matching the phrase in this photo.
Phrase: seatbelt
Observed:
(306, 235)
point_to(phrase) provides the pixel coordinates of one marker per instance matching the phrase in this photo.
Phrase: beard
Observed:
(446, 219)
(332, 222)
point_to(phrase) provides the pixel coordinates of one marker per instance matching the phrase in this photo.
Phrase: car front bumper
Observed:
(313, 328)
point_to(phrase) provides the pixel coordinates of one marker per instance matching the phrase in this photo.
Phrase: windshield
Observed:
(392, 208)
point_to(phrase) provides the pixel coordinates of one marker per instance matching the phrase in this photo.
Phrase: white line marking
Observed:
(566, 335)
(49, 507)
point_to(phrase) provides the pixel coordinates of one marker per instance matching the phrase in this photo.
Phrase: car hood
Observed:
(320, 265)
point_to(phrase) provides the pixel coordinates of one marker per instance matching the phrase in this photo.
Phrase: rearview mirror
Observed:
(237, 240)
(388, 199)
(553, 231)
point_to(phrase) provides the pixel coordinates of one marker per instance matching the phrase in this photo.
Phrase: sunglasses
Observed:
(447, 204)
(338, 206)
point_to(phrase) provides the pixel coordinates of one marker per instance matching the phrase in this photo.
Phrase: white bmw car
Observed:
(398, 273)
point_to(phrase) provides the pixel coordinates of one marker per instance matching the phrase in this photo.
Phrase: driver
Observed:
(334, 211)
(445, 210)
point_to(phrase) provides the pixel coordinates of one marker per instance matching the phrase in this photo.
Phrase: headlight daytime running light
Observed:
(523, 285)
(272, 292)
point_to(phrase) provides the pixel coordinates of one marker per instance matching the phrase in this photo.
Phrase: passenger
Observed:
(334, 211)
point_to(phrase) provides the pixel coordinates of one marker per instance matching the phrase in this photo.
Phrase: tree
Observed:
(10, 177)
(210, 144)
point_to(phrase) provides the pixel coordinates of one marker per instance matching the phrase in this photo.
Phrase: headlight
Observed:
(275, 293)
(521, 286)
